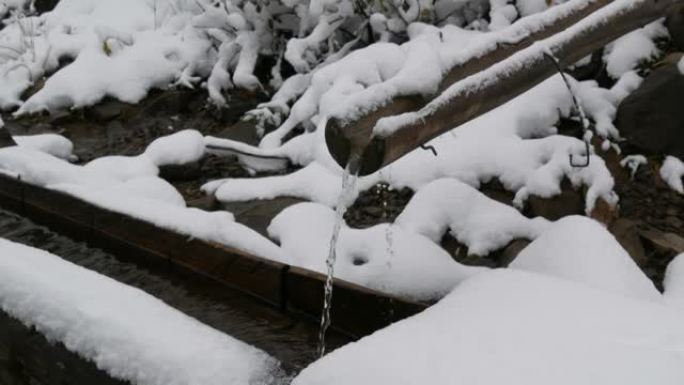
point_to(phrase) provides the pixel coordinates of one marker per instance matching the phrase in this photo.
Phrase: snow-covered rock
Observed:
(53, 144)
(581, 249)
(129, 185)
(481, 223)
(515, 327)
(672, 172)
(182, 147)
(385, 257)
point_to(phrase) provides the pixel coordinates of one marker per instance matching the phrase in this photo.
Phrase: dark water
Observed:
(290, 340)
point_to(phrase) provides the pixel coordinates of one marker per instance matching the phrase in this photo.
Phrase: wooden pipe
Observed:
(459, 103)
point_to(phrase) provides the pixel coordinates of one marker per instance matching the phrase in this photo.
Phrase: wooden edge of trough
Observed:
(26, 356)
(356, 311)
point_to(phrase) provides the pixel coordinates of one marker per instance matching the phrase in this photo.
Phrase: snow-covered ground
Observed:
(573, 308)
(124, 331)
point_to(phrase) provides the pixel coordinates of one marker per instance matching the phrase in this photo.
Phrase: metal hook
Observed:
(586, 157)
(428, 147)
(580, 111)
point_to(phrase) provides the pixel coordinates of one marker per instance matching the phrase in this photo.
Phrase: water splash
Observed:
(348, 188)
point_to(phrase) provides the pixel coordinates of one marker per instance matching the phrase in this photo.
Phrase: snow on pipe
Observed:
(381, 139)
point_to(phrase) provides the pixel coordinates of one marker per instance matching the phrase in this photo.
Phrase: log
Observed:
(379, 140)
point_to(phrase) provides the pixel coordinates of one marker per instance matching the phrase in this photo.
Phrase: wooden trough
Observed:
(357, 311)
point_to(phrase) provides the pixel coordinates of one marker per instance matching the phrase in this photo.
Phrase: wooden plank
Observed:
(27, 357)
(358, 311)
(355, 309)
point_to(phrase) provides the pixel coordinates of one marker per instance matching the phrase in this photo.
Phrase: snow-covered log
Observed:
(379, 139)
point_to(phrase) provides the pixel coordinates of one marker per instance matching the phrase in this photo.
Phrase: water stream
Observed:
(290, 340)
(349, 178)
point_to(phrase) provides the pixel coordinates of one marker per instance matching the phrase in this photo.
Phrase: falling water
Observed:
(348, 186)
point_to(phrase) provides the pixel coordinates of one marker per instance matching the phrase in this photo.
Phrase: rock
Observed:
(206, 203)
(651, 119)
(510, 252)
(568, 202)
(242, 131)
(258, 214)
(459, 252)
(5, 138)
(494, 189)
(604, 212)
(675, 26)
(374, 211)
(666, 243)
(45, 5)
(181, 172)
(627, 234)
(675, 222)
(105, 110)
(169, 102)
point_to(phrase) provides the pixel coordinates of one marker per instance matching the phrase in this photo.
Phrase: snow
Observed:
(674, 282)
(628, 51)
(535, 53)
(53, 144)
(386, 258)
(313, 183)
(124, 331)
(128, 186)
(370, 77)
(182, 147)
(633, 162)
(672, 173)
(580, 249)
(123, 167)
(515, 327)
(514, 143)
(481, 223)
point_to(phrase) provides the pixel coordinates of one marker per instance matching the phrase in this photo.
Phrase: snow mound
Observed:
(672, 173)
(129, 185)
(124, 331)
(628, 51)
(313, 182)
(182, 147)
(481, 223)
(123, 167)
(515, 327)
(674, 282)
(385, 258)
(515, 143)
(580, 249)
(53, 144)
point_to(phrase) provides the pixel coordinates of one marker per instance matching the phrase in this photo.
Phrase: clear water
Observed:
(348, 191)
(288, 339)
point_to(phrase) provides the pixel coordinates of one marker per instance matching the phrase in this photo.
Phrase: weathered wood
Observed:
(27, 357)
(293, 290)
(467, 104)
(338, 132)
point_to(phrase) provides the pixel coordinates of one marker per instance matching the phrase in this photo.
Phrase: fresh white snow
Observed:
(385, 257)
(580, 249)
(672, 172)
(53, 144)
(129, 185)
(124, 331)
(514, 327)
(480, 223)
(674, 282)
